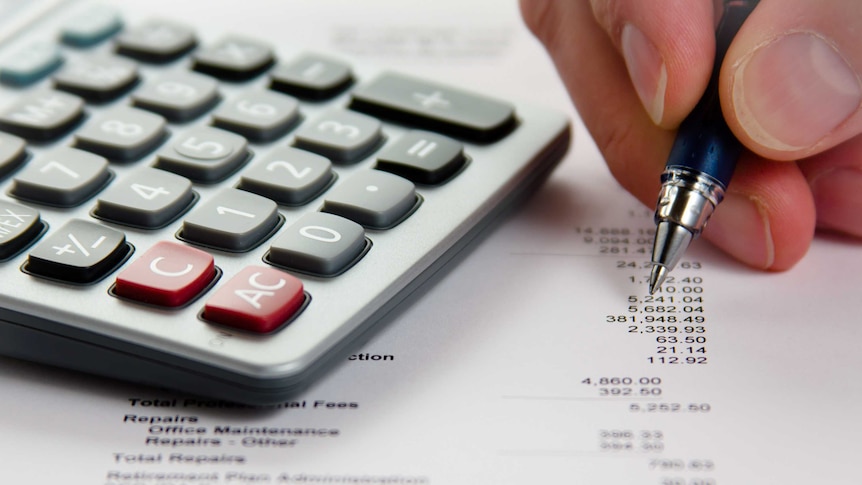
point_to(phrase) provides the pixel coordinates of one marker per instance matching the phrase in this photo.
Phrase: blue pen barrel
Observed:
(705, 143)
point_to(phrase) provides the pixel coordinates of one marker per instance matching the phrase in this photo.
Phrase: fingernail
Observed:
(740, 227)
(838, 198)
(646, 69)
(792, 92)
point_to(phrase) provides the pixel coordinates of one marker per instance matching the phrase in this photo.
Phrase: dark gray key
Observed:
(258, 115)
(341, 136)
(62, 177)
(91, 27)
(179, 96)
(12, 153)
(79, 252)
(288, 176)
(149, 198)
(319, 243)
(19, 226)
(122, 133)
(97, 78)
(204, 154)
(157, 41)
(435, 107)
(375, 199)
(312, 76)
(234, 58)
(42, 115)
(30, 64)
(233, 220)
(423, 157)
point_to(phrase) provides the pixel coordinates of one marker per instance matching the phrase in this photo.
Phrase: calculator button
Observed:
(179, 97)
(63, 177)
(122, 133)
(312, 77)
(423, 157)
(156, 41)
(234, 58)
(435, 107)
(91, 27)
(19, 226)
(79, 252)
(30, 64)
(342, 136)
(319, 243)
(375, 199)
(148, 198)
(42, 115)
(257, 299)
(233, 220)
(288, 175)
(168, 274)
(97, 79)
(12, 153)
(258, 115)
(204, 154)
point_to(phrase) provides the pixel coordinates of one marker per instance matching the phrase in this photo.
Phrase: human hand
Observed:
(790, 91)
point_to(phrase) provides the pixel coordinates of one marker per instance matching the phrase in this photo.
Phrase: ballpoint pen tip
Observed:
(656, 277)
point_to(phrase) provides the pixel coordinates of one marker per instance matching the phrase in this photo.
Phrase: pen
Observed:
(700, 164)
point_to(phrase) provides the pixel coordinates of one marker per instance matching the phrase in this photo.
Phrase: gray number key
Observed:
(79, 252)
(149, 198)
(288, 176)
(179, 96)
(204, 154)
(233, 220)
(122, 133)
(319, 243)
(42, 115)
(258, 115)
(97, 78)
(342, 136)
(435, 107)
(19, 226)
(62, 177)
(375, 199)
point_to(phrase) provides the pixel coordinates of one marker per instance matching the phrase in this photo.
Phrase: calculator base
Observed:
(38, 340)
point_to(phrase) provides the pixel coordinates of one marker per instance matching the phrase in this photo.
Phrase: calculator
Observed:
(226, 215)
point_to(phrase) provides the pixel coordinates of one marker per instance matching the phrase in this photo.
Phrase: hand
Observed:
(790, 91)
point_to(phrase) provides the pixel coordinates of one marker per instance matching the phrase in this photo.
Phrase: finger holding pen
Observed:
(618, 57)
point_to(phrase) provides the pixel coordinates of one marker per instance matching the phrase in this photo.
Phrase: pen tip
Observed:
(656, 277)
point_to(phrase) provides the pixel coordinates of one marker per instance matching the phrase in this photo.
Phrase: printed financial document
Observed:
(540, 358)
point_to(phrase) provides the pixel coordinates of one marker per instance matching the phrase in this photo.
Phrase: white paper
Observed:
(525, 364)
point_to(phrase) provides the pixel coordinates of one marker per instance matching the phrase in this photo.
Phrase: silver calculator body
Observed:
(83, 319)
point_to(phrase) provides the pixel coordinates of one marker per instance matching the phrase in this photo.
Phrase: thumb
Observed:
(790, 83)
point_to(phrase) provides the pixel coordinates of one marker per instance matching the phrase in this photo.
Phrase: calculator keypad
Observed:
(240, 207)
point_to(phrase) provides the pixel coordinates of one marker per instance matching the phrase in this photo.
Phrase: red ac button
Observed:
(168, 274)
(258, 299)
